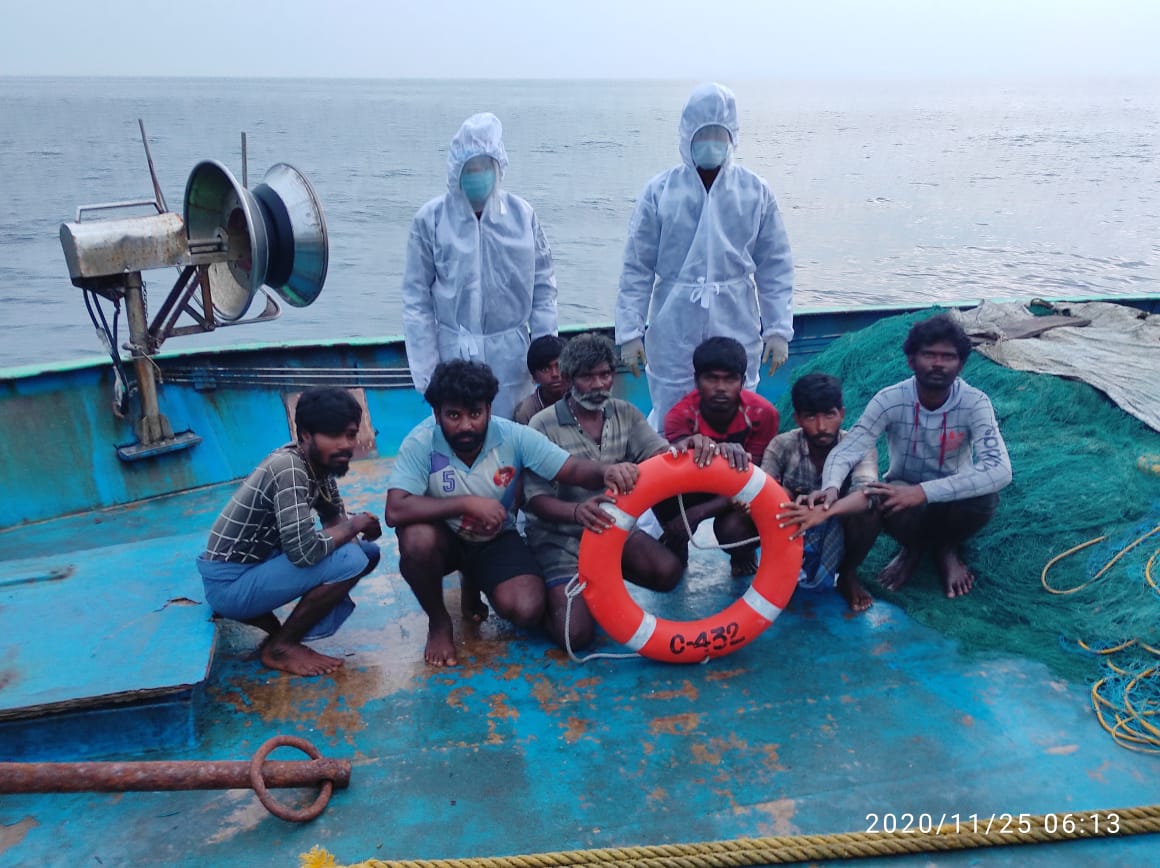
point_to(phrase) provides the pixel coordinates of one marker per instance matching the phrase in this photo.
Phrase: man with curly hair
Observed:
(451, 499)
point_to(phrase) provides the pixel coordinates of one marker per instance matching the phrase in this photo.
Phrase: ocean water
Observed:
(890, 192)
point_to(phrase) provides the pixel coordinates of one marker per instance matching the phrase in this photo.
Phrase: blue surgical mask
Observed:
(709, 153)
(477, 186)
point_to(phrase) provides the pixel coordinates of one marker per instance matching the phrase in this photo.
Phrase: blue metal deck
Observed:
(824, 719)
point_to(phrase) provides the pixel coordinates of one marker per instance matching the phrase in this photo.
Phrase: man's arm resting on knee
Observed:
(586, 513)
(343, 528)
(405, 508)
(896, 496)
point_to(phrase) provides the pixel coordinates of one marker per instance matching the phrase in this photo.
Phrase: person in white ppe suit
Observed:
(478, 282)
(708, 255)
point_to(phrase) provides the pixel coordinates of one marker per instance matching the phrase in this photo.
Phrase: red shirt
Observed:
(753, 426)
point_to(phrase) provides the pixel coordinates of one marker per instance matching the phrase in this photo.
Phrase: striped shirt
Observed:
(954, 452)
(626, 436)
(272, 511)
(787, 459)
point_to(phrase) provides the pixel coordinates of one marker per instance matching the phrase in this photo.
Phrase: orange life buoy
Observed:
(604, 591)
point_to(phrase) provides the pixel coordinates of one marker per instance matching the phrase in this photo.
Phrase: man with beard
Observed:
(589, 423)
(723, 411)
(451, 500)
(265, 550)
(948, 460)
(837, 540)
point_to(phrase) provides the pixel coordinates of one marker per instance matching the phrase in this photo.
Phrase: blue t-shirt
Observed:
(427, 465)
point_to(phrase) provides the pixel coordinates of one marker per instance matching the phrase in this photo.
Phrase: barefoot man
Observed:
(837, 540)
(265, 549)
(589, 423)
(948, 460)
(725, 412)
(451, 500)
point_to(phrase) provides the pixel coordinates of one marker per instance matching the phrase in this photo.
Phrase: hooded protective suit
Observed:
(709, 263)
(482, 288)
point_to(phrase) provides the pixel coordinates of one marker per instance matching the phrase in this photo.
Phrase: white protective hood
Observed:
(477, 288)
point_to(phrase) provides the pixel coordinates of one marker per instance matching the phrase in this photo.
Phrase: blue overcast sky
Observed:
(687, 39)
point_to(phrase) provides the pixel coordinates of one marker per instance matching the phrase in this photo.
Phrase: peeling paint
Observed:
(780, 815)
(676, 724)
(772, 759)
(657, 796)
(685, 691)
(1097, 774)
(246, 815)
(576, 728)
(498, 707)
(726, 674)
(329, 705)
(13, 834)
(457, 697)
(702, 755)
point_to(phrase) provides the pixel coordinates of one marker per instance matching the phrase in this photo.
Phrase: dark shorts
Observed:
(490, 564)
(935, 516)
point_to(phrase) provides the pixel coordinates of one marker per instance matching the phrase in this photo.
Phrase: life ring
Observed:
(604, 590)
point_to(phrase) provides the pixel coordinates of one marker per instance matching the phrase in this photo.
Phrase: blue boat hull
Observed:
(828, 722)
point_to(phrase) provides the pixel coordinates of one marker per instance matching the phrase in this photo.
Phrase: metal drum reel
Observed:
(231, 244)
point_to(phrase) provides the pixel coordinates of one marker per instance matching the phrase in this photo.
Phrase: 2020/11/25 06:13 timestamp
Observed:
(1069, 825)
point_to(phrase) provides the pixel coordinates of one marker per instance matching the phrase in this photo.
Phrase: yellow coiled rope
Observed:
(1129, 724)
(1023, 829)
(1091, 542)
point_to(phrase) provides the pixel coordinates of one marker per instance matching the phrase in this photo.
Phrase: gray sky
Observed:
(721, 39)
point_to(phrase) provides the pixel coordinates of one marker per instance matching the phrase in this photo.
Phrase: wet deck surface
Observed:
(824, 719)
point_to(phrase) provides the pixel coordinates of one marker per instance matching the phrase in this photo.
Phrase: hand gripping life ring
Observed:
(604, 591)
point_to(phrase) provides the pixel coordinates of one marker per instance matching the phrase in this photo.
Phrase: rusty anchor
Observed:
(117, 777)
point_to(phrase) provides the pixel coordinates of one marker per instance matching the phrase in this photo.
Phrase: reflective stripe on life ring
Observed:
(661, 477)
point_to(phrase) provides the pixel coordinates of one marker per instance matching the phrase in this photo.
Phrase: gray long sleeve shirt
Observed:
(954, 452)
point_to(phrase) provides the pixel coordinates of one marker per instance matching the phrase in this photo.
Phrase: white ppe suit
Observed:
(477, 289)
(705, 263)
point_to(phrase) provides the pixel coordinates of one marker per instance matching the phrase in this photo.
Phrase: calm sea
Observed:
(890, 192)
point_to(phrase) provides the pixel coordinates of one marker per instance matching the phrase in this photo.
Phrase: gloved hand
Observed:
(632, 354)
(776, 351)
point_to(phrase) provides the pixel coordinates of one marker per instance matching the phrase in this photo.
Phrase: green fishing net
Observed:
(1083, 468)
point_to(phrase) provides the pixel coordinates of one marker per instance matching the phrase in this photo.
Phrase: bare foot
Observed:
(471, 601)
(957, 578)
(296, 659)
(743, 563)
(440, 650)
(336, 662)
(856, 596)
(898, 572)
